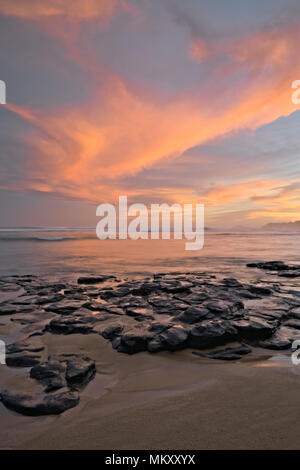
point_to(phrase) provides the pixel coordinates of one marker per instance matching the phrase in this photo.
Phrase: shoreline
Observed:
(223, 406)
(171, 399)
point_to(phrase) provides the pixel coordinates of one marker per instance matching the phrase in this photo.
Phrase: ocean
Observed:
(68, 251)
(137, 397)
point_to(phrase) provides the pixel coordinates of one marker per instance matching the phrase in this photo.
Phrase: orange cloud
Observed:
(269, 46)
(290, 192)
(265, 46)
(120, 133)
(222, 193)
(282, 203)
(84, 151)
(35, 9)
(267, 190)
(199, 50)
(225, 203)
(279, 213)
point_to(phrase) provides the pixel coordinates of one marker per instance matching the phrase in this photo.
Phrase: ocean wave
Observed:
(36, 239)
(51, 239)
(47, 237)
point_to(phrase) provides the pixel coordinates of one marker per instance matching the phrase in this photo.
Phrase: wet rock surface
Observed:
(72, 370)
(39, 404)
(163, 312)
(93, 279)
(50, 374)
(24, 353)
(79, 369)
(228, 354)
(58, 380)
(283, 269)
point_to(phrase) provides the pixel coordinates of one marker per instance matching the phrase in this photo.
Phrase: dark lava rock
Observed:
(228, 354)
(193, 314)
(25, 346)
(39, 404)
(111, 331)
(94, 306)
(155, 345)
(290, 274)
(167, 305)
(253, 328)
(24, 359)
(173, 338)
(23, 354)
(72, 325)
(64, 308)
(146, 288)
(269, 265)
(8, 309)
(244, 293)
(93, 279)
(23, 300)
(276, 344)
(104, 308)
(295, 313)
(51, 374)
(209, 334)
(25, 308)
(111, 293)
(194, 297)
(231, 282)
(116, 342)
(260, 290)
(175, 287)
(134, 340)
(161, 312)
(293, 324)
(281, 340)
(140, 314)
(80, 369)
(129, 301)
(73, 370)
(160, 326)
(217, 306)
(48, 300)
(284, 270)
(252, 265)
(225, 356)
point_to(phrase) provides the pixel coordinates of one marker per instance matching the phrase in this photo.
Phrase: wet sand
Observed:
(166, 401)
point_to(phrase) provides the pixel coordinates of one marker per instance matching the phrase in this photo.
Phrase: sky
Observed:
(177, 101)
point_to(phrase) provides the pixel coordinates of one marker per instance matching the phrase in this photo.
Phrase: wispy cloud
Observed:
(38, 9)
(90, 148)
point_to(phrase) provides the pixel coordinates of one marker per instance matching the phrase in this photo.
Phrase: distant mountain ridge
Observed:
(295, 226)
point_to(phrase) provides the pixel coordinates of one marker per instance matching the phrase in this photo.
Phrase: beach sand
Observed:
(166, 401)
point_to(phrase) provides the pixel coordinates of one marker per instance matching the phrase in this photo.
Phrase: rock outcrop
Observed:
(164, 312)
